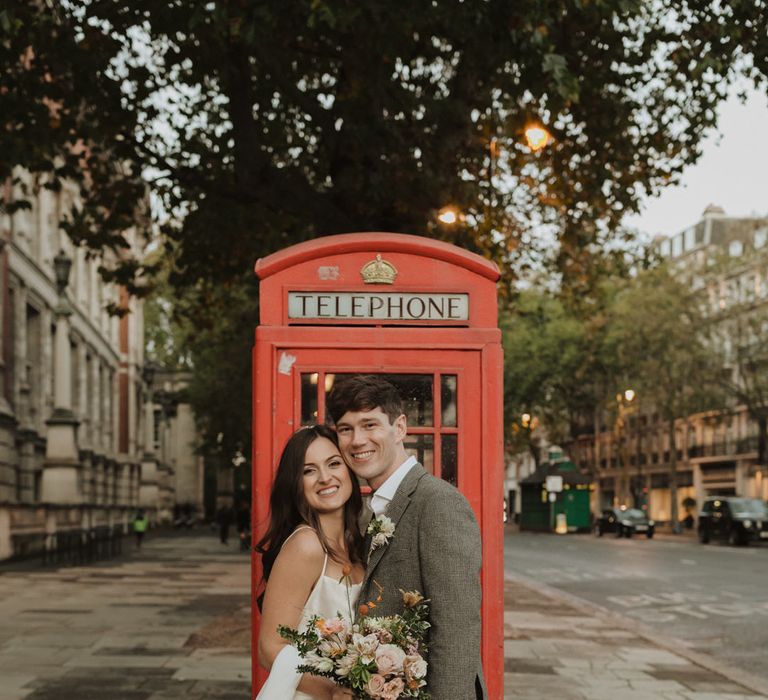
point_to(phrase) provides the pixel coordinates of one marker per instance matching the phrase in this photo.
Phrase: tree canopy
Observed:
(257, 124)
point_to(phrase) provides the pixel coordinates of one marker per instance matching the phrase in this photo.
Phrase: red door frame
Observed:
(472, 351)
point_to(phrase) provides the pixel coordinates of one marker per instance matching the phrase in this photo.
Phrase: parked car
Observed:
(737, 520)
(624, 522)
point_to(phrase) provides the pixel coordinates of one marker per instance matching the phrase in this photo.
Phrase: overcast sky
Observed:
(732, 173)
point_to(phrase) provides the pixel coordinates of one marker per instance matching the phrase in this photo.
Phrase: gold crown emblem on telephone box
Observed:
(378, 271)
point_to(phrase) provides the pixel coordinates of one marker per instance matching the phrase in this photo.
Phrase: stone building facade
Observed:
(77, 444)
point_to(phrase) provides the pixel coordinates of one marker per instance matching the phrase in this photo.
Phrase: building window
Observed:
(157, 417)
(33, 360)
(690, 238)
(677, 246)
(735, 248)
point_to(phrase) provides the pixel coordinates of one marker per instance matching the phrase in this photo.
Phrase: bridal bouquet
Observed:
(378, 658)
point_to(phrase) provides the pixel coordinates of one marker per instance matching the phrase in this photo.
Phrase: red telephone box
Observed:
(424, 313)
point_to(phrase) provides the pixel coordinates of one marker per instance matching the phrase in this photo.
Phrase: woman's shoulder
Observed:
(303, 542)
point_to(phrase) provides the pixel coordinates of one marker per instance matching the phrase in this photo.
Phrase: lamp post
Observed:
(60, 482)
(624, 406)
(149, 487)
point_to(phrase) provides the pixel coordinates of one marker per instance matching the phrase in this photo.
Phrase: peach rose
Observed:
(335, 626)
(375, 685)
(393, 689)
(389, 659)
(414, 667)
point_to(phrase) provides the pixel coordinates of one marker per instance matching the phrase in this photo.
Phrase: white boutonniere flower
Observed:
(381, 530)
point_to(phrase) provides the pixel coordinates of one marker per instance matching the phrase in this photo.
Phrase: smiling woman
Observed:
(326, 478)
(311, 556)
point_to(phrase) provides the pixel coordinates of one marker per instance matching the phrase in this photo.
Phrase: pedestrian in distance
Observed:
(243, 522)
(224, 519)
(140, 525)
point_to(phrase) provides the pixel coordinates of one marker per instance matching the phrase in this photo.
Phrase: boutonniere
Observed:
(381, 530)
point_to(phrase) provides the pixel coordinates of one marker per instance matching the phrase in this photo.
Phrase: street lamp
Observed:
(62, 264)
(624, 406)
(448, 215)
(537, 136)
(149, 371)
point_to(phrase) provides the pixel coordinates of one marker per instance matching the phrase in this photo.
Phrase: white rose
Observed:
(379, 540)
(365, 646)
(389, 659)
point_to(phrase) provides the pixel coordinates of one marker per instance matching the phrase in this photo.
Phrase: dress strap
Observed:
(309, 527)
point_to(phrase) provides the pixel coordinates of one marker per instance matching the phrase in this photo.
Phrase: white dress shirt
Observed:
(386, 492)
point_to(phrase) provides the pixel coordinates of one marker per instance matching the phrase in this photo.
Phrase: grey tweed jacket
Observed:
(436, 550)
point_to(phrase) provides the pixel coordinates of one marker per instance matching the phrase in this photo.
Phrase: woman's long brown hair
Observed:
(289, 509)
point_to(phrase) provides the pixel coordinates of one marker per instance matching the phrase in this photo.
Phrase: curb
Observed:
(671, 644)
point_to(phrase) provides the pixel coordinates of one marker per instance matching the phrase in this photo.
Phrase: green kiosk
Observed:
(556, 497)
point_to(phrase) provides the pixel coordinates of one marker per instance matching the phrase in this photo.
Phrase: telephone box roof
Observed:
(378, 242)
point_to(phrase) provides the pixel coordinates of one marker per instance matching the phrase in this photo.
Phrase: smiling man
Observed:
(435, 548)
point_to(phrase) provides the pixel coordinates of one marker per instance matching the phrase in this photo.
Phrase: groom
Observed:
(435, 548)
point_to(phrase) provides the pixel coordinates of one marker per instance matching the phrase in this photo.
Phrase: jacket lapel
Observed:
(394, 512)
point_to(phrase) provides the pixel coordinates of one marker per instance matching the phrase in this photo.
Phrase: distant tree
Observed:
(217, 347)
(660, 332)
(554, 366)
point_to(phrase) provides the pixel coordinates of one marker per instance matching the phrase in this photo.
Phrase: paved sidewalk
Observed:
(172, 622)
(556, 646)
(169, 622)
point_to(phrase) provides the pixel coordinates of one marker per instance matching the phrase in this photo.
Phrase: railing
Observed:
(80, 546)
(724, 448)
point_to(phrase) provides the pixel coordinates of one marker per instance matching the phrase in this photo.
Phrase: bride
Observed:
(311, 557)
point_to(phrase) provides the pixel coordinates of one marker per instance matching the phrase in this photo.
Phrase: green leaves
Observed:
(567, 84)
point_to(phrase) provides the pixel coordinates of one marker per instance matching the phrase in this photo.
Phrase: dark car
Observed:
(624, 522)
(737, 520)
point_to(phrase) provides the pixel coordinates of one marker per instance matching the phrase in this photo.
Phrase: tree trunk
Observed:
(762, 431)
(673, 514)
(596, 423)
(533, 448)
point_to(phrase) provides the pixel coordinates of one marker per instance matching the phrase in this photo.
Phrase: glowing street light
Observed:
(629, 395)
(448, 215)
(537, 137)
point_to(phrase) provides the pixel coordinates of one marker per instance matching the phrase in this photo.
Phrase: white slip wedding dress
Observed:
(329, 598)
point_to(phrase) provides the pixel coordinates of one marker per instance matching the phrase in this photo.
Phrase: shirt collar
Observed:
(386, 492)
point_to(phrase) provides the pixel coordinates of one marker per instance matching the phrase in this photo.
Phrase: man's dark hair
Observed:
(364, 392)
